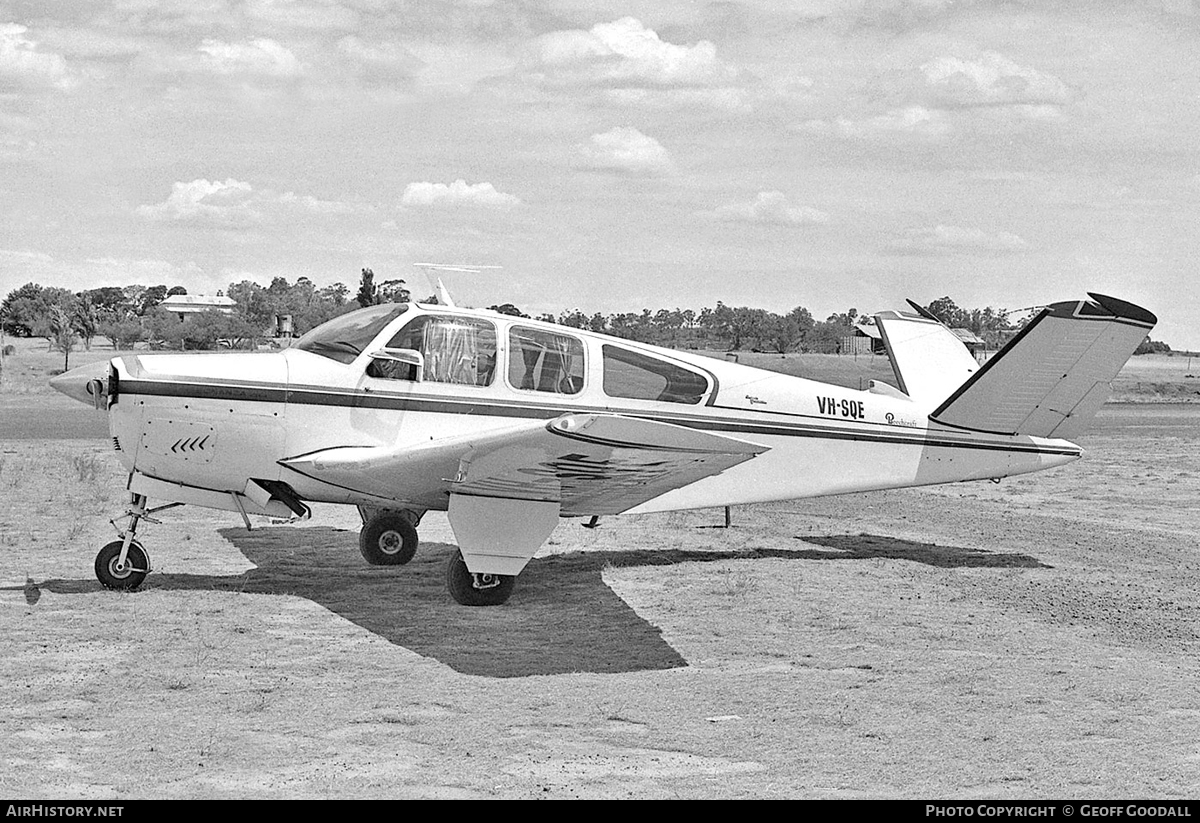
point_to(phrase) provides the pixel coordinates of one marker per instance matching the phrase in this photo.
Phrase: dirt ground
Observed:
(1032, 639)
(1036, 638)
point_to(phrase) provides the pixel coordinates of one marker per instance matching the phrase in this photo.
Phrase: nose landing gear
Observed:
(122, 567)
(123, 564)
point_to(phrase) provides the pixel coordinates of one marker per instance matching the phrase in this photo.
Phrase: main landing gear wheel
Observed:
(388, 539)
(477, 589)
(125, 576)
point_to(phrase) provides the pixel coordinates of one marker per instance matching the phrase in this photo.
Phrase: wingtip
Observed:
(1124, 309)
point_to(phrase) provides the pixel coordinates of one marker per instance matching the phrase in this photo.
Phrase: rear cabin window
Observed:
(459, 350)
(642, 377)
(544, 361)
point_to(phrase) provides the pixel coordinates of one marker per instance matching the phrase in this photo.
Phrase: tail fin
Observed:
(1054, 375)
(930, 362)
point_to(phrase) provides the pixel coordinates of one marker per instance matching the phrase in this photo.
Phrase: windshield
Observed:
(344, 338)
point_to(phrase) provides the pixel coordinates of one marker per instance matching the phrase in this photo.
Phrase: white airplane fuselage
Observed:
(206, 424)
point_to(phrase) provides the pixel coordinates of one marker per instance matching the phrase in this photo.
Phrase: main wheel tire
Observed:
(388, 539)
(477, 590)
(122, 578)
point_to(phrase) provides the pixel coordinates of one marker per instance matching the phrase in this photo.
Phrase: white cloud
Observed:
(235, 203)
(113, 270)
(914, 121)
(991, 80)
(895, 15)
(625, 149)
(261, 56)
(22, 62)
(312, 204)
(947, 239)
(222, 202)
(954, 97)
(297, 14)
(458, 193)
(768, 207)
(15, 148)
(623, 53)
(379, 62)
(38, 267)
(727, 98)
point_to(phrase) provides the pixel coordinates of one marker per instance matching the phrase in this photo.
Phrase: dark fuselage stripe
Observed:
(491, 407)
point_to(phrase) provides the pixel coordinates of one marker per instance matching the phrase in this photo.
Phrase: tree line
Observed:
(130, 315)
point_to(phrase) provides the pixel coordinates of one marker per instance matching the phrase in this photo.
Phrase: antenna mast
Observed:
(439, 288)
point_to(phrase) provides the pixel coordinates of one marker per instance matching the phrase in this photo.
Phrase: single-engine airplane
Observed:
(509, 424)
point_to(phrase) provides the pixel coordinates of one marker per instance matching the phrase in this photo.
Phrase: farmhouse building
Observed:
(970, 339)
(185, 304)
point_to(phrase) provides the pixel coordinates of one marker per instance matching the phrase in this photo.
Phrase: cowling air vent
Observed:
(116, 444)
(180, 439)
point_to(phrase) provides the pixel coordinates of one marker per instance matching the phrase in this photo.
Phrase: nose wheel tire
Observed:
(388, 539)
(476, 589)
(112, 574)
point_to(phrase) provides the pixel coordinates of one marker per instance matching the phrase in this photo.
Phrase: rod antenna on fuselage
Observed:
(439, 288)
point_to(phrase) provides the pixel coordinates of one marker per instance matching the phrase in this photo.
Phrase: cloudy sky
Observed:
(612, 156)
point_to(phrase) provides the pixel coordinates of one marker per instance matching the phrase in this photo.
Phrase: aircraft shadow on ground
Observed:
(562, 618)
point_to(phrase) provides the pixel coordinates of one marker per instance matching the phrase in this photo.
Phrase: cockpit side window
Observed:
(343, 338)
(639, 376)
(459, 350)
(544, 361)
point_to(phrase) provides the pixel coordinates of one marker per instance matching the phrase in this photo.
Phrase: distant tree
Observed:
(307, 305)
(826, 338)
(253, 303)
(367, 292)
(804, 322)
(133, 298)
(623, 325)
(845, 319)
(123, 332)
(667, 324)
(27, 310)
(574, 319)
(1149, 346)
(200, 330)
(213, 328)
(335, 294)
(109, 301)
(151, 298)
(86, 318)
(789, 331)
(61, 326)
(393, 291)
(949, 313)
(174, 290)
(718, 322)
(21, 309)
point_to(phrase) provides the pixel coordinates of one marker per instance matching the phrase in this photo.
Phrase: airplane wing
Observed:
(589, 464)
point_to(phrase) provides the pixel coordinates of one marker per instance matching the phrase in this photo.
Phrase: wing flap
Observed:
(587, 463)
